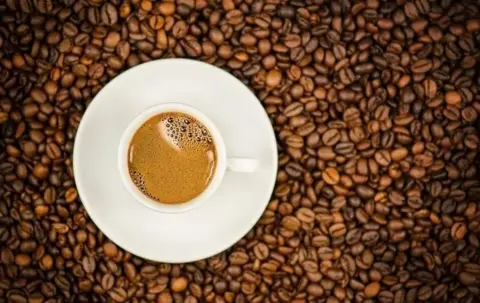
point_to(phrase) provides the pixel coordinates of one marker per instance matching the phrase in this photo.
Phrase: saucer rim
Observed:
(105, 229)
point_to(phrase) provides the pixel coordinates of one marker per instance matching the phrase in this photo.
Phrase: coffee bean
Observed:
(331, 176)
(417, 172)
(130, 271)
(17, 298)
(291, 223)
(166, 8)
(286, 11)
(382, 157)
(370, 238)
(430, 88)
(22, 260)
(472, 268)
(305, 215)
(365, 191)
(424, 293)
(467, 279)
(458, 231)
(149, 272)
(292, 40)
(305, 129)
(293, 109)
(38, 95)
(331, 137)
(62, 283)
(112, 40)
(376, 121)
(353, 236)
(295, 141)
(40, 171)
(110, 249)
(273, 78)
(337, 230)
(261, 251)
(118, 295)
(421, 66)
(46, 262)
(439, 291)
(43, 6)
(108, 281)
(372, 290)
(109, 14)
(364, 68)
(179, 284)
(326, 153)
(399, 154)
(294, 170)
(71, 195)
(88, 264)
(453, 98)
(156, 22)
(315, 290)
(335, 274)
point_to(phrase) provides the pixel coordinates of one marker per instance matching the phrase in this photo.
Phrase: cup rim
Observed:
(122, 156)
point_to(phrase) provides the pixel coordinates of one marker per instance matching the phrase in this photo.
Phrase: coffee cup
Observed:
(223, 161)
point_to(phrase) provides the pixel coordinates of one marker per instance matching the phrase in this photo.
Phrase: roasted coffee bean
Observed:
(375, 108)
(305, 215)
(468, 279)
(326, 153)
(372, 289)
(118, 294)
(286, 11)
(331, 176)
(421, 66)
(109, 14)
(331, 137)
(179, 284)
(107, 281)
(399, 154)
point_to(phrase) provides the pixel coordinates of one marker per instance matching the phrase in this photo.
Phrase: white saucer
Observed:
(233, 209)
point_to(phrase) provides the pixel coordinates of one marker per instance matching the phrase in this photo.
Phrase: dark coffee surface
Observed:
(375, 106)
(172, 158)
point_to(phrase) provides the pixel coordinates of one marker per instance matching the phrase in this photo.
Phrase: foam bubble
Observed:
(139, 181)
(197, 134)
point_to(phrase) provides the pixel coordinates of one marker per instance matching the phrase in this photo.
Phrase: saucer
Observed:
(229, 213)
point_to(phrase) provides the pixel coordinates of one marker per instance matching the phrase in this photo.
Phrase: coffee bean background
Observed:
(375, 106)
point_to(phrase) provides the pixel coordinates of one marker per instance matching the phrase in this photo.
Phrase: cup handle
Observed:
(242, 165)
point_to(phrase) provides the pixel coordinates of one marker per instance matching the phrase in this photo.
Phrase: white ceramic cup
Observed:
(223, 162)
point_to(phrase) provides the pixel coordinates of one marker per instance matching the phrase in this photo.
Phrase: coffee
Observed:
(172, 158)
(56, 56)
